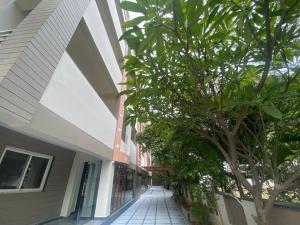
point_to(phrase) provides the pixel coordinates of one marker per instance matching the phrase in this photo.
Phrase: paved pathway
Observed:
(155, 207)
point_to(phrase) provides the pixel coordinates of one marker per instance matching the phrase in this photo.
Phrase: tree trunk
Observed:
(261, 218)
(240, 188)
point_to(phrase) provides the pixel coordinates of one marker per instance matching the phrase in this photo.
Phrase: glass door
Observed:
(88, 190)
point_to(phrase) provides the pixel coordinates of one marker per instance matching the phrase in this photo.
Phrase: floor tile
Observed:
(155, 207)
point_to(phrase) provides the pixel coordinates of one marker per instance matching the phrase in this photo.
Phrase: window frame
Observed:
(30, 155)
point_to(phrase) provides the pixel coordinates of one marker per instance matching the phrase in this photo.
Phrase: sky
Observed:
(133, 15)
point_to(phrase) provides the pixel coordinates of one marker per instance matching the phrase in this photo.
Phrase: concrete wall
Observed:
(46, 94)
(250, 211)
(96, 27)
(234, 212)
(29, 56)
(287, 215)
(71, 96)
(27, 208)
(33, 103)
(27, 5)
(117, 20)
(85, 54)
(111, 19)
(4, 2)
(10, 16)
(105, 189)
(222, 217)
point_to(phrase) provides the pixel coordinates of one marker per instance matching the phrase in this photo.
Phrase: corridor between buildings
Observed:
(155, 207)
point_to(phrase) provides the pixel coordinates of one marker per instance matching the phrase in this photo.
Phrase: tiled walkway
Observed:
(155, 207)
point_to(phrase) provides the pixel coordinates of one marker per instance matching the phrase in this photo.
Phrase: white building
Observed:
(61, 118)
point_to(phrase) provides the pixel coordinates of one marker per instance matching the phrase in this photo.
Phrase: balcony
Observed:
(99, 34)
(72, 112)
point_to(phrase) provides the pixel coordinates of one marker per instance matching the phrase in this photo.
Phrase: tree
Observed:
(227, 70)
(196, 167)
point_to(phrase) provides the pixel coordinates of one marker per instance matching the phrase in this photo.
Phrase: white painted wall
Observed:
(123, 147)
(132, 153)
(144, 161)
(10, 16)
(70, 96)
(4, 2)
(128, 139)
(96, 27)
(114, 13)
(27, 4)
(105, 189)
(48, 126)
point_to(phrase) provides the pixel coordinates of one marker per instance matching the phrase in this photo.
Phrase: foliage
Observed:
(201, 212)
(152, 141)
(227, 73)
(196, 167)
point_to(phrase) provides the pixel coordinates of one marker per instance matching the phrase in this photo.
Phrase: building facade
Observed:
(64, 147)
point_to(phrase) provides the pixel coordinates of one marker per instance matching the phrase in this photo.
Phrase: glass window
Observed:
(124, 132)
(122, 186)
(12, 168)
(133, 133)
(21, 170)
(35, 172)
(124, 128)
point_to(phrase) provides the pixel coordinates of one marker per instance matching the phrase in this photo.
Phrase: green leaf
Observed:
(130, 38)
(127, 34)
(237, 103)
(134, 22)
(275, 88)
(132, 6)
(148, 41)
(212, 15)
(288, 95)
(272, 111)
(126, 92)
(193, 11)
(177, 12)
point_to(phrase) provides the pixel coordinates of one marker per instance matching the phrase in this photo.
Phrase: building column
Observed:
(72, 187)
(105, 189)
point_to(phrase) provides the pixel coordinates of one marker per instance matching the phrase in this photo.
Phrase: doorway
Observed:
(88, 190)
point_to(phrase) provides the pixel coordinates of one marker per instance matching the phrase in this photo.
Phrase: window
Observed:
(124, 128)
(133, 133)
(124, 133)
(23, 171)
(122, 186)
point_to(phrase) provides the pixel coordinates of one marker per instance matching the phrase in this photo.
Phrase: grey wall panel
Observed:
(24, 105)
(8, 85)
(30, 208)
(13, 108)
(29, 56)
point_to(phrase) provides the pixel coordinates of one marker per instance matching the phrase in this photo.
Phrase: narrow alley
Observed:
(155, 207)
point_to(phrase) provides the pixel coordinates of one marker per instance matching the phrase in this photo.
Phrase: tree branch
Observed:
(269, 47)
